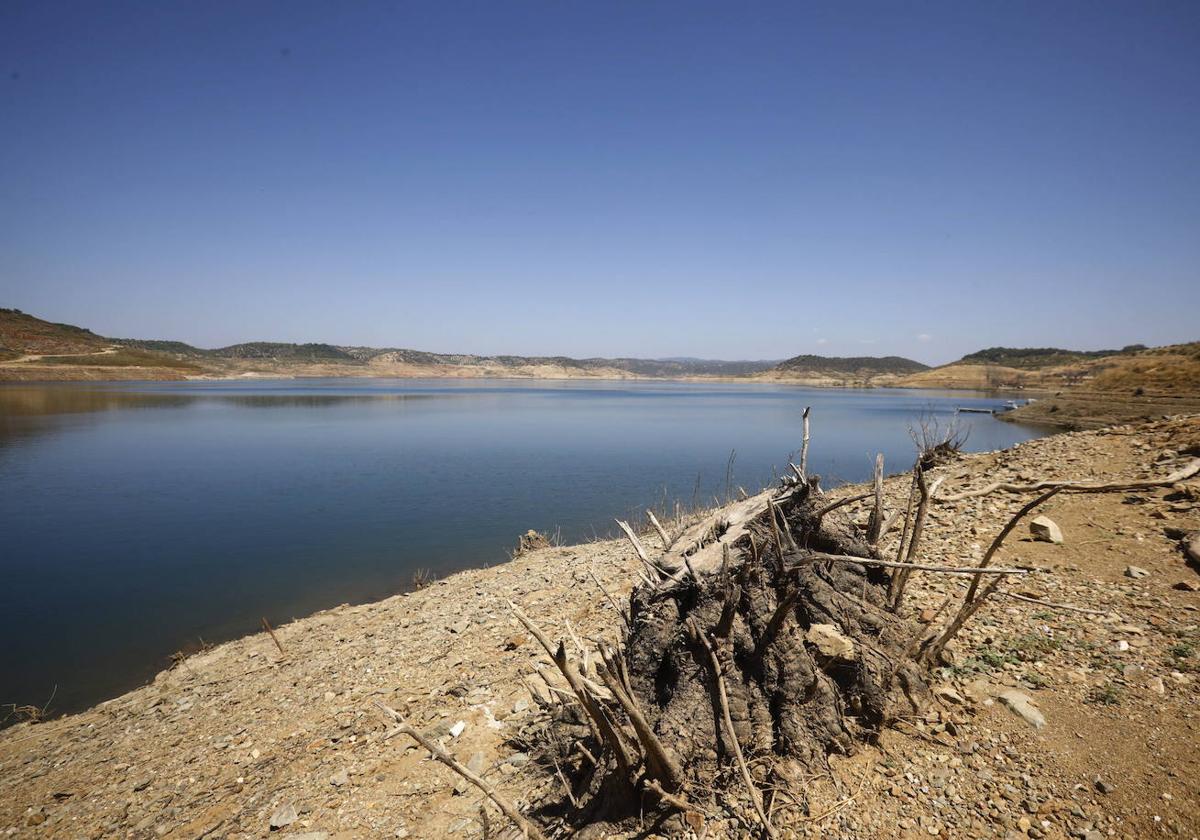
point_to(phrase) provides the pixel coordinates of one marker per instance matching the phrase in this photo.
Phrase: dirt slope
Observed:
(218, 745)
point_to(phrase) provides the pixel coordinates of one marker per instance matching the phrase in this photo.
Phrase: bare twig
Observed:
(662, 534)
(1050, 604)
(640, 549)
(527, 828)
(783, 524)
(611, 600)
(559, 657)
(267, 626)
(928, 491)
(673, 799)
(841, 502)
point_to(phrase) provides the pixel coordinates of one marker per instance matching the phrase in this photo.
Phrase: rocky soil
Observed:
(1050, 723)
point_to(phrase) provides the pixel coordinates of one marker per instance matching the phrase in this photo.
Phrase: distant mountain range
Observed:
(31, 348)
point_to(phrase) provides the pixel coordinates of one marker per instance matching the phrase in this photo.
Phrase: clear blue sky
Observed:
(732, 180)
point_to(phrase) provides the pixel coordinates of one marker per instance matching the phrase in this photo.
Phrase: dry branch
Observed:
(723, 697)
(875, 525)
(1050, 604)
(804, 446)
(662, 534)
(1004, 532)
(527, 828)
(660, 765)
(934, 651)
(1078, 487)
(829, 508)
(928, 491)
(267, 626)
(807, 558)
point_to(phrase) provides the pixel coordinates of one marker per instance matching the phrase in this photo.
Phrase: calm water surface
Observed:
(138, 518)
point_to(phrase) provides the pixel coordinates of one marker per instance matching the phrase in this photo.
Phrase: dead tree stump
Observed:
(792, 691)
(749, 646)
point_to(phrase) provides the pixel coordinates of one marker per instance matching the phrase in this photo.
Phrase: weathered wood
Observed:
(1179, 475)
(804, 446)
(701, 543)
(875, 525)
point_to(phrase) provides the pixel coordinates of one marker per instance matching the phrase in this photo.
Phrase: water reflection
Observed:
(142, 516)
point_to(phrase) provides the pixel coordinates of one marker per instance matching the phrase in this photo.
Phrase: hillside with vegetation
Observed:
(1030, 358)
(843, 371)
(22, 334)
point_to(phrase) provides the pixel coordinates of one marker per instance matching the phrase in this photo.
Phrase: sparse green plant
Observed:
(1183, 650)
(1106, 694)
(1034, 680)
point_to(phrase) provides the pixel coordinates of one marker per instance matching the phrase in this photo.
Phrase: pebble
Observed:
(284, 815)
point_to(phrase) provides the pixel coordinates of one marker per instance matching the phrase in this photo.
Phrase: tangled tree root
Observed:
(757, 638)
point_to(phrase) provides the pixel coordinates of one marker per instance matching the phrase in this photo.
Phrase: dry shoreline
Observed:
(217, 745)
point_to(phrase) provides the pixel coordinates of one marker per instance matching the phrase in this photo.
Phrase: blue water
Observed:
(139, 518)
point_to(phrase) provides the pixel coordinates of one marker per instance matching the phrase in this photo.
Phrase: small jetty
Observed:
(1008, 406)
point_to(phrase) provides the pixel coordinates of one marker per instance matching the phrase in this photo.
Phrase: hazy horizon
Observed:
(630, 180)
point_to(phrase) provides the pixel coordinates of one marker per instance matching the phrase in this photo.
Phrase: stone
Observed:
(310, 835)
(457, 728)
(1136, 572)
(1187, 586)
(339, 778)
(831, 642)
(1102, 786)
(946, 692)
(1045, 529)
(980, 690)
(1156, 685)
(284, 816)
(1021, 705)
